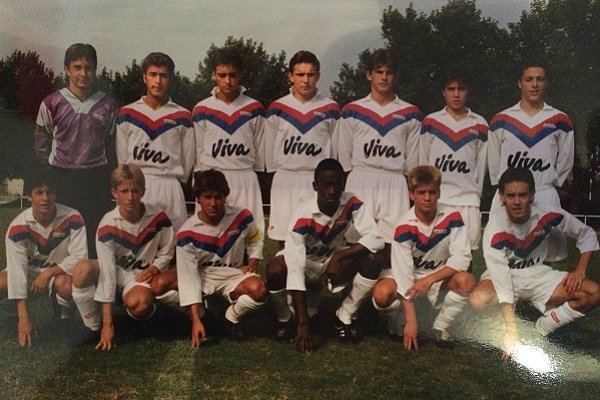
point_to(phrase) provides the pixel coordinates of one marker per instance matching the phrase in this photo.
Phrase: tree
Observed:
(25, 82)
(424, 47)
(265, 75)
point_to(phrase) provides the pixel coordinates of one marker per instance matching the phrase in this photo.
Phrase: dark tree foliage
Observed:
(265, 74)
(25, 82)
(425, 47)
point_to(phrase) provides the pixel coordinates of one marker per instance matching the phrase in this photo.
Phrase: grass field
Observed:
(154, 361)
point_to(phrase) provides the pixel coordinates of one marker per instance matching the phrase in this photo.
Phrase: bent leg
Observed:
(164, 287)
(249, 295)
(564, 307)
(85, 277)
(276, 273)
(139, 302)
(483, 295)
(369, 268)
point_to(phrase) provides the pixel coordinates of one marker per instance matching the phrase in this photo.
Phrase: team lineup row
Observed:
(377, 140)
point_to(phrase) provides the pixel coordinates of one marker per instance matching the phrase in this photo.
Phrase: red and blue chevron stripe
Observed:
(523, 248)
(383, 125)
(531, 136)
(229, 123)
(154, 128)
(45, 245)
(324, 233)
(454, 139)
(405, 233)
(134, 243)
(219, 245)
(304, 122)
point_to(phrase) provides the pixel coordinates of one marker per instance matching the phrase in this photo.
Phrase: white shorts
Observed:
(166, 193)
(245, 193)
(385, 193)
(288, 191)
(131, 284)
(222, 280)
(471, 216)
(557, 241)
(534, 284)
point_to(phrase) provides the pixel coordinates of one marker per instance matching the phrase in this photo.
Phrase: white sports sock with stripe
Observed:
(453, 305)
(557, 317)
(361, 288)
(242, 306)
(88, 308)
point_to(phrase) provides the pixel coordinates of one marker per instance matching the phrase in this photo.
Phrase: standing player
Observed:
(135, 244)
(75, 135)
(210, 256)
(315, 249)
(430, 256)
(454, 139)
(378, 141)
(156, 134)
(229, 129)
(299, 130)
(536, 136)
(42, 246)
(515, 247)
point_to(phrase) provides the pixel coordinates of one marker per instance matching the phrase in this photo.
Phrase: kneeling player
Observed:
(135, 243)
(314, 248)
(210, 256)
(515, 246)
(430, 255)
(42, 245)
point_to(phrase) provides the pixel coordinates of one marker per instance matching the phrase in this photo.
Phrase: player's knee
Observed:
(480, 298)
(257, 289)
(276, 273)
(85, 273)
(63, 285)
(139, 306)
(370, 266)
(383, 295)
(464, 283)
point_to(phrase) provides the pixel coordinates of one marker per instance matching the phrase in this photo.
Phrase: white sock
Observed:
(170, 298)
(279, 298)
(555, 318)
(453, 305)
(243, 305)
(361, 288)
(87, 306)
(64, 307)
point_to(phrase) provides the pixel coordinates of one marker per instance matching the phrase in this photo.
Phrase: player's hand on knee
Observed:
(304, 339)
(40, 283)
(198, 334)
(411, 330)
(573, 281)
(25, 332)
(107, 338)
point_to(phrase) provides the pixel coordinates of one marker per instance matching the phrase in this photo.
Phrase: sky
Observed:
(335, 30)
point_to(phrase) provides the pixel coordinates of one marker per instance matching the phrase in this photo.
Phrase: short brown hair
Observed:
(424, 175)
(158, 59)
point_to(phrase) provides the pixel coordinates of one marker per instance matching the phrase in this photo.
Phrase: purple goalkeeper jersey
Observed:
(73, 134)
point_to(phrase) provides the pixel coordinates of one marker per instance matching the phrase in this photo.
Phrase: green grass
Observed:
(155, 361)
